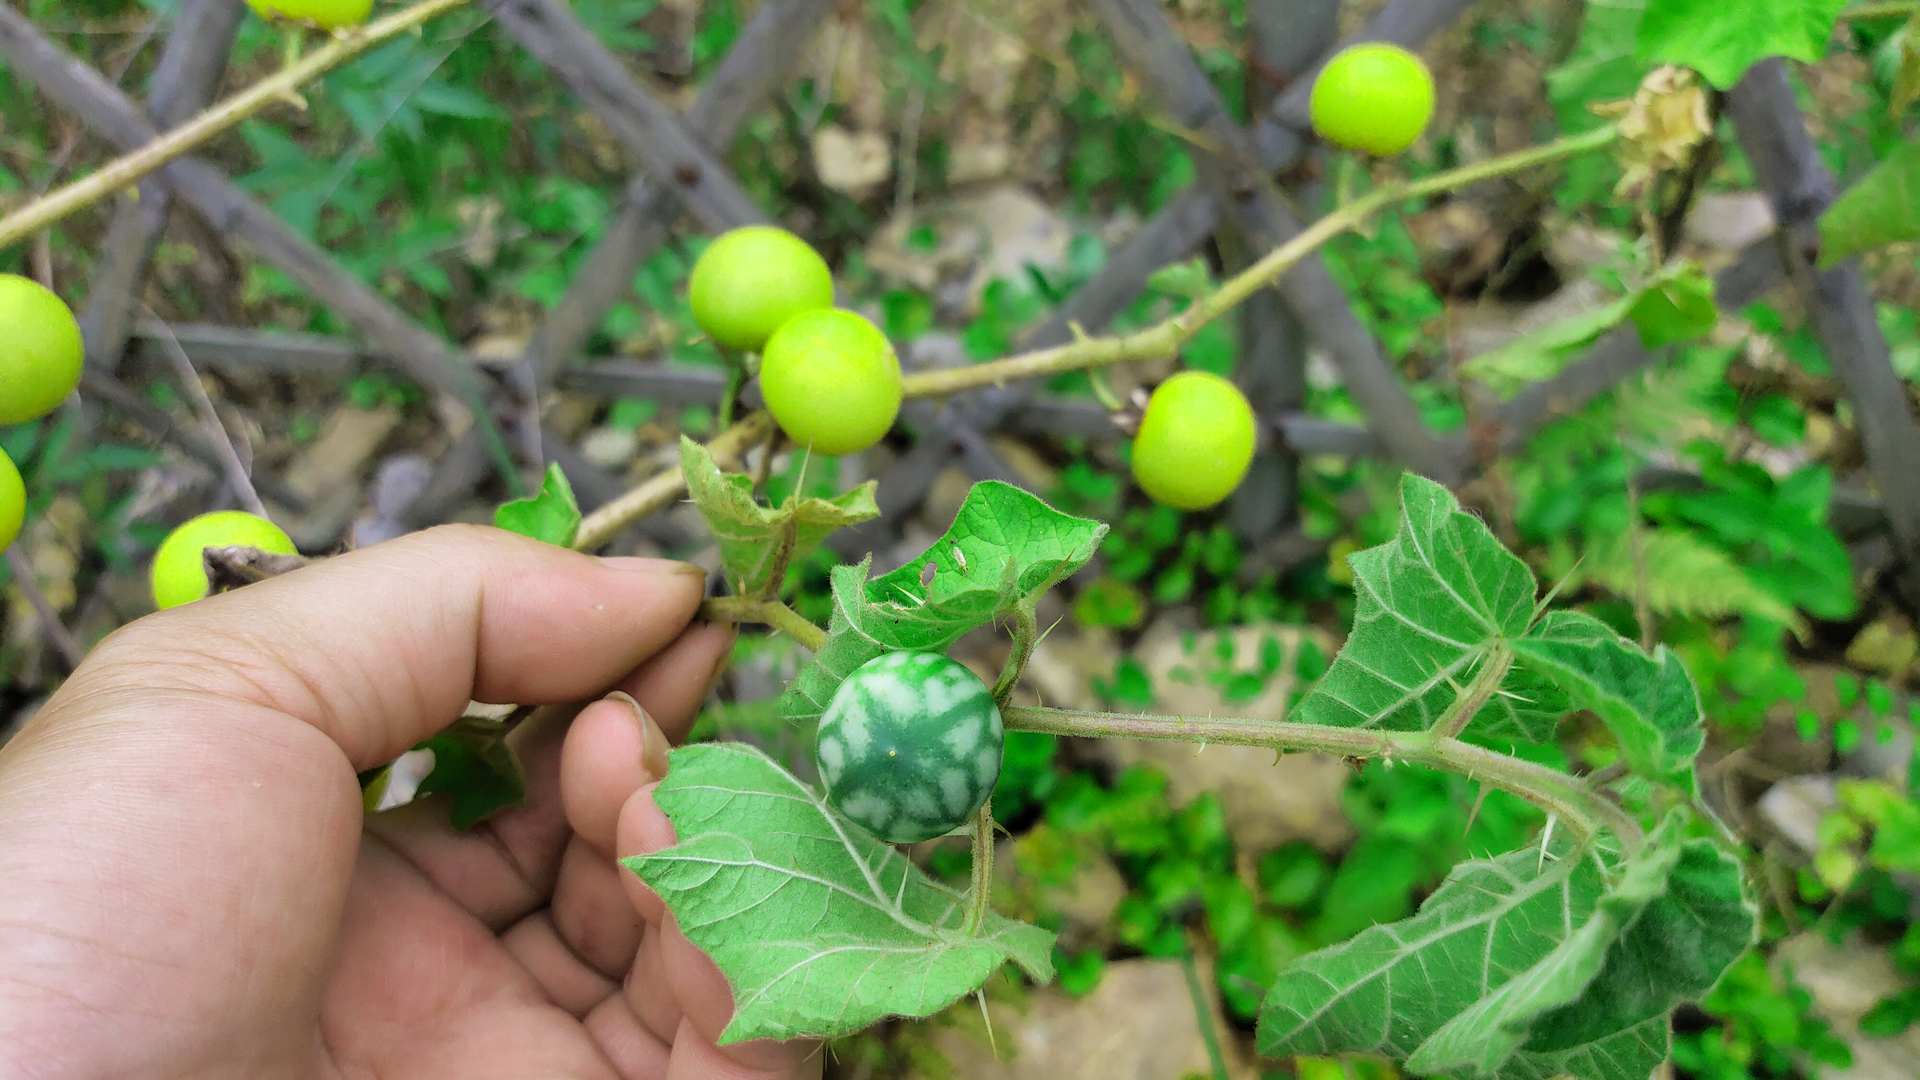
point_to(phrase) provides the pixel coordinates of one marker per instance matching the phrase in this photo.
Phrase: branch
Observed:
(56, 631)
(217, 434)
(1478, 692)
(184, 140)
(739, 609)
(603, 524)
(1166, 337)
(1551, 790)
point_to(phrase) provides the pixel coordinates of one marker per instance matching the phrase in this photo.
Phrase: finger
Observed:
(504, 867)
(592, 912)
(673, 685)
(382, 647)
(224, 736)
(636, 1052)
(698, 990)
(535, 944)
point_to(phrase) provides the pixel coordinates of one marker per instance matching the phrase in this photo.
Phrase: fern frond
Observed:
(1685, 575)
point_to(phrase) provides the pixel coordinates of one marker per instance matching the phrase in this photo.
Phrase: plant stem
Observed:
(1558, 793)
(1165, 338)
(1026, 634)
(773, 613)
(26, 578)
(980, 900)
(603, 524)
(1478, 692)
(1898, 10)
(126, 171)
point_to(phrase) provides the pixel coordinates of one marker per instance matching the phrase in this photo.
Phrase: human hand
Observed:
(187, 887)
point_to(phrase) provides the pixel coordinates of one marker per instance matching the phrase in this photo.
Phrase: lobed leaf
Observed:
(757, 541)
(1432, 605)
(819, 928)
(1722, 40)
(1648, 702)
(1527, 966)
(1005, 545)
(1883, 208)
(551, 516)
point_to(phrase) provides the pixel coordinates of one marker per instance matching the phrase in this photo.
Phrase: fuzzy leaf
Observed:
(1523, 968)
(1648, 702)
(1432, 604)
(552, 516)
(820, 929)
(1722, 40)
(1883, 208)
(1005, 545)
(751, 536)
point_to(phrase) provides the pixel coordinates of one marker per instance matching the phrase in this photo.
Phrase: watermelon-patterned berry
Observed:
(909, 747)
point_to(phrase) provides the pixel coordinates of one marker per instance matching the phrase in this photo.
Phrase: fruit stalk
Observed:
(130, 169)
(1586, 812)
(1165, 338)
(738, 609)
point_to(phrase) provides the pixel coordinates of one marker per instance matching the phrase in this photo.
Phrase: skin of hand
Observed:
(188, 887)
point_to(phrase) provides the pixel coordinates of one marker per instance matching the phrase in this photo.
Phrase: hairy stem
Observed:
(605, 523)
(1026, 634)
(1166, 337)
(126, 171)
(980, 899)
(1468, 702)
(1556, 792)
(738, 609)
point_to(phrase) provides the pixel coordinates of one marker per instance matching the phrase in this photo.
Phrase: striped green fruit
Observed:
(909, 747)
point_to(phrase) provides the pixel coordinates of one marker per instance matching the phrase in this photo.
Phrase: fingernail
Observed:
(636, 565)
(653, 741)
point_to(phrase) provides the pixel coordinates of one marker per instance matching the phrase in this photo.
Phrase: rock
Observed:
(1019, 231)
(1267, 802)
(1794, 806)
(851, 162)
(1729, 220)
(1066, 662)
(610, 447)
(1043, 872)
(1138, 1024)
(1846, 981)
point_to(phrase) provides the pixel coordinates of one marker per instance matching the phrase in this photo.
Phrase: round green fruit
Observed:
(1195, 441)
(750, 281)
(40, 350)
(179, 571)
(1375, 98)
(326, 14)
(832, 381)
(909, 748)
(13, 502)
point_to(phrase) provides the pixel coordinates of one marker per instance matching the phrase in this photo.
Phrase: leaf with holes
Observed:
(756, 542)
(820, 928)
(1433, 605)
(1006, 545)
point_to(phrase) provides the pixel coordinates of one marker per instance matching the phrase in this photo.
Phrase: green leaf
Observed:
(1676, 306)
(1526, 967)
(1432, 605)
(552, 516)
(820, 929)
(1648, 702)
(1192, 279)
(1602, 66)
(1722, 40)
(756, 541)
(1883, 208)
(1005, 546)
(472, 764)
